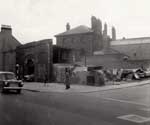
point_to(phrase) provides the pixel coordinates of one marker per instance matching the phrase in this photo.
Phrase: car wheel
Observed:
(4, 90)
(19, 91)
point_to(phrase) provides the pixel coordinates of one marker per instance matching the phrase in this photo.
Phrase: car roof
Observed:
(2, 72)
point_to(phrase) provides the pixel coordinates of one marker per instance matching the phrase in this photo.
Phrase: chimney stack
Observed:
(93, 23)
(105, 30)
(113, 33)
(6, 29)
(67, 26)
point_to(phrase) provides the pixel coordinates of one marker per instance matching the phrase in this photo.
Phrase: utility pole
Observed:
(48, 65)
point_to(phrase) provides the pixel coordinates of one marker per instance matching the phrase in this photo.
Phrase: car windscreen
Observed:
(7, 76)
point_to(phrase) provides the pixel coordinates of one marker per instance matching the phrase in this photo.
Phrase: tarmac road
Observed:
(96, 108)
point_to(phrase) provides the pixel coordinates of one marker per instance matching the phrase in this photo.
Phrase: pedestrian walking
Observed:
(67, 78)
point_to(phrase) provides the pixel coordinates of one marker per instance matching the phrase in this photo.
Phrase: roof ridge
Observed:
(76, 30)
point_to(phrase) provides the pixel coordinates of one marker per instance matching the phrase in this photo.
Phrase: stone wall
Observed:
(40, 54)
(112, 61)
(9, 61)
(78, 41)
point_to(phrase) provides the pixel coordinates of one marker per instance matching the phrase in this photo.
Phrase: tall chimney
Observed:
(67, 26)
(99, 26)
(6, 29)
(105, 38)
(105, 30)
(113, 33)
(93, 23)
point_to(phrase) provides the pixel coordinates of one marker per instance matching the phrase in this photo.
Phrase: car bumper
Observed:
(15, 88)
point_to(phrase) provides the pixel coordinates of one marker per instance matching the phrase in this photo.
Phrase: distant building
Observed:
(136, 49)
(123, 53)
(8, 44)
(82, 37)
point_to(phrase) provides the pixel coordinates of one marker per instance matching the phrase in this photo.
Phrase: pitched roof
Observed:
(77, 30)
(8, 42)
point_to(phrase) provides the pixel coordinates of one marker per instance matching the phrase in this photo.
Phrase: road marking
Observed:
(125, 101)
(134, 118)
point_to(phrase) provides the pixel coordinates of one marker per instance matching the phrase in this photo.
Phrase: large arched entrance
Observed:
(29, 68)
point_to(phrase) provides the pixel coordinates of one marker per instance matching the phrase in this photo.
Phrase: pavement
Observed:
(76, 88)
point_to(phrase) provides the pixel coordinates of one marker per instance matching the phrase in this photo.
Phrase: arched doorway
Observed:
(29, 68)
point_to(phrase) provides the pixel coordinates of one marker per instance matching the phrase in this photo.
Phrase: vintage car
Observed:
(133, 74)
(147, 73)
(8, 82)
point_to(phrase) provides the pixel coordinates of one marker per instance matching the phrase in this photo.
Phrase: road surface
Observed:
(96, 108)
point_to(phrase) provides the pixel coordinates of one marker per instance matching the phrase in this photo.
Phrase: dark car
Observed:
(147, 73)
(8, 82)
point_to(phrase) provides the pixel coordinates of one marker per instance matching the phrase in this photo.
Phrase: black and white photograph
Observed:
(74, 62)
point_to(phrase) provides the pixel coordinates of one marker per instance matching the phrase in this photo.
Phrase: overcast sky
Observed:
(34, 20)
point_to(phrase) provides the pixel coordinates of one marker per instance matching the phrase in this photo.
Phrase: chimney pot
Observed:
(6, 29)
(67, 26)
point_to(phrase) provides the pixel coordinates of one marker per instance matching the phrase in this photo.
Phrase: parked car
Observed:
(8, 82)
(133, 74)
(127, 74)
(140, 73)
(147, 73)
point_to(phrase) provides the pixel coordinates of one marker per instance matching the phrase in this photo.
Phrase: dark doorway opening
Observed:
(30, 66)
(29, 70)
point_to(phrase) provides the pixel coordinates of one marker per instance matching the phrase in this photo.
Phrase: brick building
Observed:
(8, 44)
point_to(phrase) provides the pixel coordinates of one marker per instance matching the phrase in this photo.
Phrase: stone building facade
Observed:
(82, 37)
(8, 44)
(35, 58)
(65, 55)
(135, 49)
(87, 39)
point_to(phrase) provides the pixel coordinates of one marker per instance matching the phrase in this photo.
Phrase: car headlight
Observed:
(22, 83)
(6, 83)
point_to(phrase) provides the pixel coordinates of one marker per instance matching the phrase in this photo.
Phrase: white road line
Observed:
(134, 118)
(125, 101)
